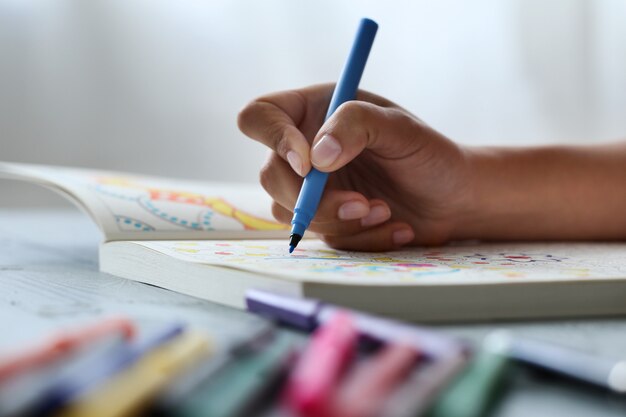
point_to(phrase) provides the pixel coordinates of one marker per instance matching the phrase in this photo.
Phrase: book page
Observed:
(136, 207)
(456, 264)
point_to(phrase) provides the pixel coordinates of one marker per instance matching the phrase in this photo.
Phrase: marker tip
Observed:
(294, 239)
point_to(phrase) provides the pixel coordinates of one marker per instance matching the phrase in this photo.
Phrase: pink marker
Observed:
(368, 385)
(316, 375)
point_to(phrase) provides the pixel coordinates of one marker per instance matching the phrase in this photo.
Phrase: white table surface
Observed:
(49, 278)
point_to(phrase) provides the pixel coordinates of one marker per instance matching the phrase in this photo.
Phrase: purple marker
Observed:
(307, 314)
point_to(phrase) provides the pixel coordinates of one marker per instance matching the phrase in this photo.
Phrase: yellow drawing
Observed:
(216, 204)
(185, 250)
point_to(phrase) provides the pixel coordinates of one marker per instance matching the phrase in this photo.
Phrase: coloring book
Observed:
(215, 240)
(138, 207)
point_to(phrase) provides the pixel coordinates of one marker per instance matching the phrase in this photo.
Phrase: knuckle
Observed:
(280, 213)
(403, 121)
(278, 139)
(266, 176)
(257, 121)
(358, 119)
(329, 240)
(354, 111)
(270, 175)
(395, 115)
(335, 242)
(247, 114)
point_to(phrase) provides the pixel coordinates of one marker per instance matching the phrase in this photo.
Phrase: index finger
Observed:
(281, 120)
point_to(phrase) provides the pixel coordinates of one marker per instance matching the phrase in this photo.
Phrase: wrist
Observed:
(545, 193)
(493, 202)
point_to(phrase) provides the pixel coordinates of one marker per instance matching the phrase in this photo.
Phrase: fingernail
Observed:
(295, 161)
(352, 210)
(403, 236)
(325, 152)
(377, 214)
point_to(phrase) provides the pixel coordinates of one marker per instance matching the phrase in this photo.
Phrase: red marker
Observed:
(366, 388)
(317, 373)
(61, 344)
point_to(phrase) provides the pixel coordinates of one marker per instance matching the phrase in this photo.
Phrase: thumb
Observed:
(358, 125)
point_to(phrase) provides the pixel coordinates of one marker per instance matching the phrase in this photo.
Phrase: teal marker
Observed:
(187, 385)
(345, 90)
(474, 391)
(237, 388)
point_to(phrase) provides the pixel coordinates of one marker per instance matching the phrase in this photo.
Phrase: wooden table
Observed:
(49, 278)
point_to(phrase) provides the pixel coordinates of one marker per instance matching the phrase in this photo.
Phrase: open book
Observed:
(215, 240)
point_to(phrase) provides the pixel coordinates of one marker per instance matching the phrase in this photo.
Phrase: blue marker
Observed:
(345, 90)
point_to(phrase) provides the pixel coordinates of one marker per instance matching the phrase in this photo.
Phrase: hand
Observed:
(394, 182)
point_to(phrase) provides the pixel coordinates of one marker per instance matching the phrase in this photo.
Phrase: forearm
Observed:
(547, 193)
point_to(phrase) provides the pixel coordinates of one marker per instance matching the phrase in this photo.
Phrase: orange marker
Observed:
(61, 344)
(366, 388)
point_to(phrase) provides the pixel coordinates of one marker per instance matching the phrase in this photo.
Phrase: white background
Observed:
(155, 86)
